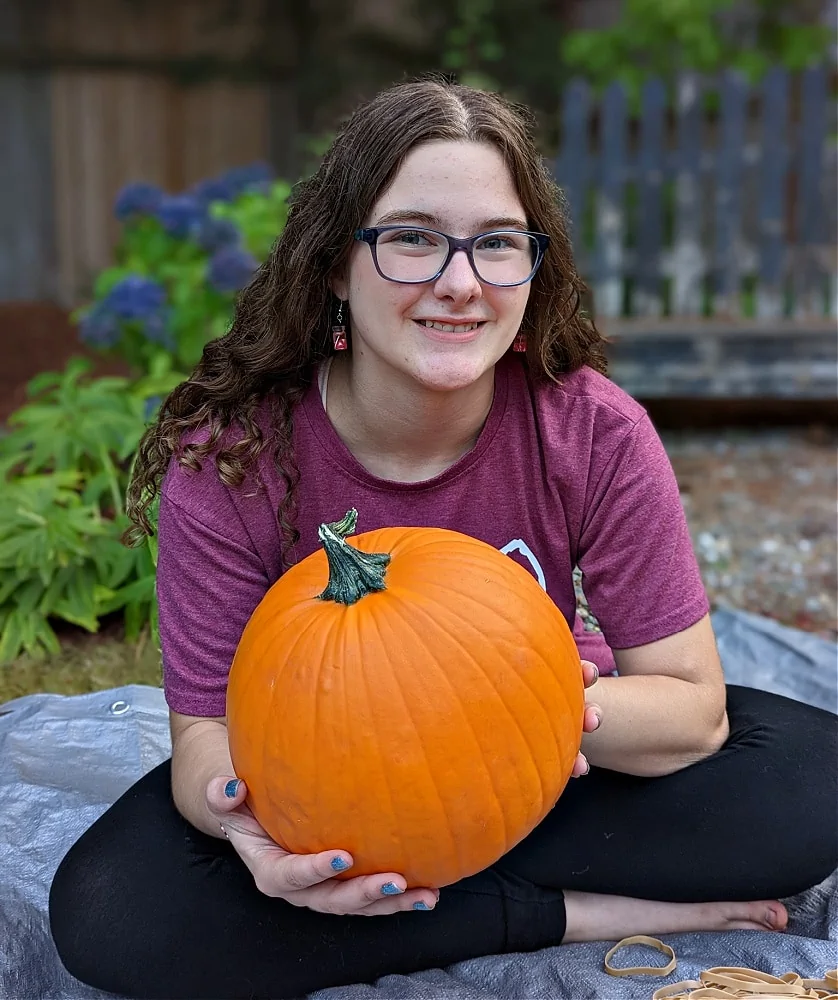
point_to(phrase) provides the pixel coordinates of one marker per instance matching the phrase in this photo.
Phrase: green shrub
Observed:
(65, 465)
(66, 461)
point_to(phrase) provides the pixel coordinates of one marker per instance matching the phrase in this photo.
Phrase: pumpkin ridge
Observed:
(573, 650)
(443, 811)
(278, 622)
(551, 722)
(309, 625)
(565, 639)
(393, 818)
(328, 657)
(404, 620)
(354, 790)
(335, 638)
(461, 625)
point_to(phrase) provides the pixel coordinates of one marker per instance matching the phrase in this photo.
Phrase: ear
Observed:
(339, 286)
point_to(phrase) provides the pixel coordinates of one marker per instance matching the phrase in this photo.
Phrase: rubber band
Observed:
(641, 970)
(723, 982)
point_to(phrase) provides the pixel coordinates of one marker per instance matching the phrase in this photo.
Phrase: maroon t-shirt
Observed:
(560, 476)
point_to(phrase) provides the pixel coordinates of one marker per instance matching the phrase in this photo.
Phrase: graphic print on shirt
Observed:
(519, 546)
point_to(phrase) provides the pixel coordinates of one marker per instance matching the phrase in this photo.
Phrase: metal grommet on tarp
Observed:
(120, 707)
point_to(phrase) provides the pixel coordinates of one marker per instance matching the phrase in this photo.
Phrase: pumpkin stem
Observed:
(346, 525)
(352, 574)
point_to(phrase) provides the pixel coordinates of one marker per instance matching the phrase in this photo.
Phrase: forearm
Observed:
(654, 724)
(201, 753)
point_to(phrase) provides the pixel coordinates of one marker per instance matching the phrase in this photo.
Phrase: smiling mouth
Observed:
(449, 327)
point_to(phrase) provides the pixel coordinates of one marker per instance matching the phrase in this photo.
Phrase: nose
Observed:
(458, 282)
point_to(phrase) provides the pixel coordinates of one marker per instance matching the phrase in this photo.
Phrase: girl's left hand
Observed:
(592, 718)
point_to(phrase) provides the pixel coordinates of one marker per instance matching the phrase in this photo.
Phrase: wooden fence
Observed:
(718, 200)
(101, 109)
(677, 210)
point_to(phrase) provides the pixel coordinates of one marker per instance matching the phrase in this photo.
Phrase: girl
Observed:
(414, 347)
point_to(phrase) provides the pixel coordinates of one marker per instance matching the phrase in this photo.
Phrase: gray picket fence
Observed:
(691, 207)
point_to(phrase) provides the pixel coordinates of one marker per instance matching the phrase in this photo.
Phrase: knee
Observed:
(85, 929)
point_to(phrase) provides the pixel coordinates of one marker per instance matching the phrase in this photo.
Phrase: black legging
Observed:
(147, 906)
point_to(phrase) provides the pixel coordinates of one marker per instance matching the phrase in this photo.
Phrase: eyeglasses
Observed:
(412, 255)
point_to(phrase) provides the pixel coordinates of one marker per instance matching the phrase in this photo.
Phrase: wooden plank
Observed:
(811, 140)
(64, 187)
(26, 203)
(226, 125)
(647, 299)
(773, 179)
(729, 207)
(93, 204)
(688, 255)
(607, 272)
(572, 163)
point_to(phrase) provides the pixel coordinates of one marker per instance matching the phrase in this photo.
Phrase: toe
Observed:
(776, 917)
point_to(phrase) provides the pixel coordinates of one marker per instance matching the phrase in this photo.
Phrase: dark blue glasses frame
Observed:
(370, 236)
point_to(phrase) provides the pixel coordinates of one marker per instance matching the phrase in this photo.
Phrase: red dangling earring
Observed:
(519, 344)
(339, 331)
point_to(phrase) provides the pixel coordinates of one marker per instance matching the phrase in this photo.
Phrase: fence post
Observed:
(687, 254)
(572, 162)
(610, 208)
(647, 299)
(773, 175)
(809, 274)
(729, 165)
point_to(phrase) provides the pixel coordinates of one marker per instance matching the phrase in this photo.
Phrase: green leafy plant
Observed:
(663, 39)
(64, 467)
(472, 43)
(259, 215)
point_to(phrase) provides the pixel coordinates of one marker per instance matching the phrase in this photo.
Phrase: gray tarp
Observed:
(66, 759)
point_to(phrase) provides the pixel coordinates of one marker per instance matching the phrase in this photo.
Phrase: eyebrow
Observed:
(414, 215)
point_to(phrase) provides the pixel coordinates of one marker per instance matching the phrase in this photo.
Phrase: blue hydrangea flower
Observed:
(157, 328)
(213, 189)
(230, 269)
(137, 199)
(253, 176)
(136, 297)
(217, 233)
(99, 326)
(180, 214)
(150, 407)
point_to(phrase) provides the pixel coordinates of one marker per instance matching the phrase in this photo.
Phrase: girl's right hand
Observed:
(307, 879)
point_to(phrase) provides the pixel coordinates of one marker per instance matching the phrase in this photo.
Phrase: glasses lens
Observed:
(410, 254)
(505, 258)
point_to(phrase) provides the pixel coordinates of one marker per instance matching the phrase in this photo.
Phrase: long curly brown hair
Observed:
(281, 328)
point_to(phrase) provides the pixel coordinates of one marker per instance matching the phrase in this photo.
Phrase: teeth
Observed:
(450, 328)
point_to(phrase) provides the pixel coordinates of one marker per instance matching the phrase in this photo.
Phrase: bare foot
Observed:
(595, 917)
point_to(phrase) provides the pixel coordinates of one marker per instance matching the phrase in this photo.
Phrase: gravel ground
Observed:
(761, 505)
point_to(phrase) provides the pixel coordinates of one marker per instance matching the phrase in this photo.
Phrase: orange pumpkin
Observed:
(423, 711)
